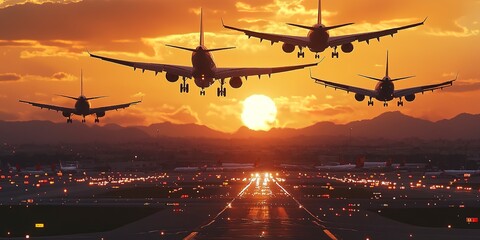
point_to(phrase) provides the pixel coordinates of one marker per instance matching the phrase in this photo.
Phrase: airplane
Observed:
(318, 39)
(454, 173)
(203, 69)
(385, 89)
(359, 164)
(82, 106)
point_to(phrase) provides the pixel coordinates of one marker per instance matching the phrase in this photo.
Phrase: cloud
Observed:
(469, 85)
(7, 77)
(8, 115)
(462, 32)
(228, 108)
(9, 3)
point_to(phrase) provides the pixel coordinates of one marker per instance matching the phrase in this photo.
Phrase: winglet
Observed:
(424, 20)
(223, 24)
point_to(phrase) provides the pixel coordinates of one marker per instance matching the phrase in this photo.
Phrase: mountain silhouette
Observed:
(389, 125)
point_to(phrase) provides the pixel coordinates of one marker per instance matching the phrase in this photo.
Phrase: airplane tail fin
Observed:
(386, 66)
(360, 162)
(81, 82)
(201, 27)
(319, 15)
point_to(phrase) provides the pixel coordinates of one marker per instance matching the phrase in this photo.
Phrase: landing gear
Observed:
(385, 104)
(69, 120)
(202, 92)
(400, 103)
(221, 91)
(184, 87)
(370, 102)
(83, 120)
(317, 55)
(301, 53)
(334, 53)
(97, 120)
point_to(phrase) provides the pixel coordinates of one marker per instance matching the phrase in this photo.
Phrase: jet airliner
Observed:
(385, 89)
(82, 106)
(318, 39)
(203, 69)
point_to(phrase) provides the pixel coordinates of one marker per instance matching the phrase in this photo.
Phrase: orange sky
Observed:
(42, 49)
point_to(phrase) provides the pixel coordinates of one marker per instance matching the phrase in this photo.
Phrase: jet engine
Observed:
(359, 97)
(171, 77)
(66, 114)
(235, 82)
(288, 48)
(100, 114)
(347, 47)
(410, 97)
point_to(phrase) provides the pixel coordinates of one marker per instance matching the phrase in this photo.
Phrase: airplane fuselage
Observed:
(82, 106)
(385, 89)
(318, 39)
(203, 67)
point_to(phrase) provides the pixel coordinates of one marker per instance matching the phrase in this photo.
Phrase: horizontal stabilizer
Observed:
(97, 97)
(219, 49)
(336, 26)
(183, 48)
(74, 98)
(401, 78)
(301, 26)
(377, 79)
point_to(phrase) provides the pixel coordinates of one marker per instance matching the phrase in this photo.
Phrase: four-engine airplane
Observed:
(82, 106)
(318, 39)
(385, 89)
(203, 70)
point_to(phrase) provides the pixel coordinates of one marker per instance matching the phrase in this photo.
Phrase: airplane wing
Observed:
(361, 37)
(273, 38)
(113, 107)
(50, 107)
(366, 92)
(183, 71)
(422, 89)
(222, 73)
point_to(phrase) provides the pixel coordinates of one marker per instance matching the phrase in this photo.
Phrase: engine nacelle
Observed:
(66, 114)
(359, 97)
(235, 82)
(410, 97)
(100, 114)
(288, 48)
(347, 47)
(171, 77)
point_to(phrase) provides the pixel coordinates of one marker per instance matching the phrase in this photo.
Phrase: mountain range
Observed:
(389, 125)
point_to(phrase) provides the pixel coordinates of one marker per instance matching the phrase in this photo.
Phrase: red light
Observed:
(472, 219)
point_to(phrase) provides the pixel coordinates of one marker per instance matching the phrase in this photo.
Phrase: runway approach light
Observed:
(39, 225)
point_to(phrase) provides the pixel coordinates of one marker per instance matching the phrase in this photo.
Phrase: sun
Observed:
(259, 112)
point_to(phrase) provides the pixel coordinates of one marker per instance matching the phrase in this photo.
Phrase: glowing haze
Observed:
(43, 44)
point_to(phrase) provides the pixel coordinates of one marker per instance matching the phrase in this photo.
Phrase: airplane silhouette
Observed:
(82, 106)
(203, 69)
(318, 39)
(385, 89)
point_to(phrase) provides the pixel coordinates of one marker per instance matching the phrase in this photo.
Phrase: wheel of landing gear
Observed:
(218, 92)
(181, 88)
(186, 88)
(224, 92)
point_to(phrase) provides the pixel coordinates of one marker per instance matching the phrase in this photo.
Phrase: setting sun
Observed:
(259, 112)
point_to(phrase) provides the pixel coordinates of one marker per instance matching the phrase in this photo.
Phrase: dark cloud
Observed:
(5, 77)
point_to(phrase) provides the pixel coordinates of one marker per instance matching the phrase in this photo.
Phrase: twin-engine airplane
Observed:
(82, 106)
(318, 38)
(203, 69)
(385, 89)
